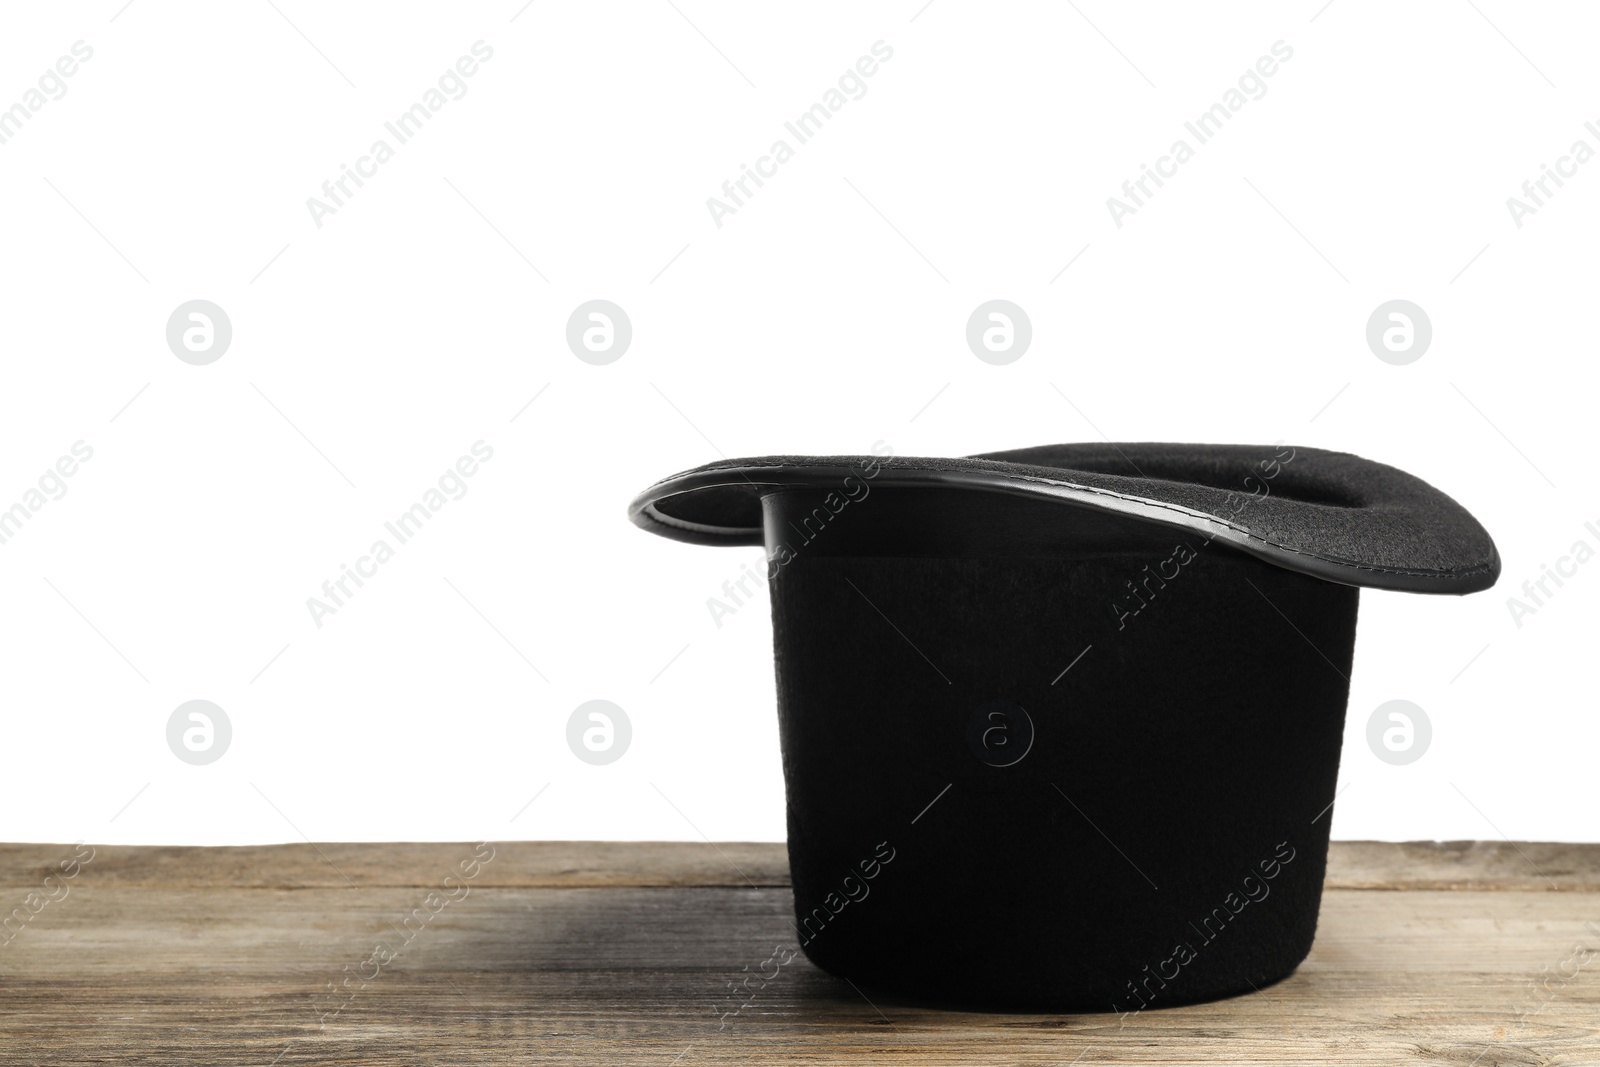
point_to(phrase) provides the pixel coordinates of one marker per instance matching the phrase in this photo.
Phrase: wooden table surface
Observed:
(1465, 954)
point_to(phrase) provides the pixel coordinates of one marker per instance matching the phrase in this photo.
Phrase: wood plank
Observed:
(1479, 865)
(577, 864)
(184, 956)
(553, 864)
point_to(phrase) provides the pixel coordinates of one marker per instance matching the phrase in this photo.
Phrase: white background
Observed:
(828, 313)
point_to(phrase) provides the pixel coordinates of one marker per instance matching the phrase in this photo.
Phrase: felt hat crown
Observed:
(1061, 725)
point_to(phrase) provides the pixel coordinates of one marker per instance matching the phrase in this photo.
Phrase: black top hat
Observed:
(1061, 725)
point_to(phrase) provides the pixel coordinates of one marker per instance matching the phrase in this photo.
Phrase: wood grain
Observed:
(617, 953)
(592, 864)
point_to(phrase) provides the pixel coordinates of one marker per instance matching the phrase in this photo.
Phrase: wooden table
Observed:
(1459, 953)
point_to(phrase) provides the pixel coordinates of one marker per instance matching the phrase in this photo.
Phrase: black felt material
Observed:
(1172, 760)
(1330, 514)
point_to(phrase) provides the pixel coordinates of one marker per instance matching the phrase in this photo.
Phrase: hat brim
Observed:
(1330, 515)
